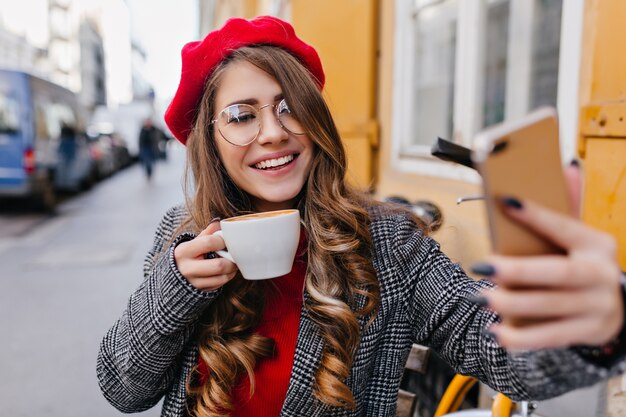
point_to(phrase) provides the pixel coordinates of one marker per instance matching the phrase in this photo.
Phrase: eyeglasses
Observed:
(240, 124)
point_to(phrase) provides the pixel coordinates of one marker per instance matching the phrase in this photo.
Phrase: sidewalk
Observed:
(66, 281)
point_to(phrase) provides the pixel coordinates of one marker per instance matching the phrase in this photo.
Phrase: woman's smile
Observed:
(276, 164)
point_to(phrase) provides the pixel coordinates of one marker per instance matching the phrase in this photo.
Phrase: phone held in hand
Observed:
(521, 159)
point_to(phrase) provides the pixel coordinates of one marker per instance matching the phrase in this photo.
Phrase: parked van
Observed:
(43, 147)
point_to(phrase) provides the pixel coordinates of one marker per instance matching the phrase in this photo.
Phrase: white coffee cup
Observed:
(263, 245)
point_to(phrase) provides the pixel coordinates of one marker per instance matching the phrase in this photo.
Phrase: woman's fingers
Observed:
(519, 304)
(548, 271)
(200, 246)
(208, 268)
(204, 274)
(589, 329)
(549, 334)
(214, 225)
(212, 283)
(556, 300)
(528, 311)
(566, 232)
(207, 274)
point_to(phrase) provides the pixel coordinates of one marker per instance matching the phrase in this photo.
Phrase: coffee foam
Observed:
(263, 215)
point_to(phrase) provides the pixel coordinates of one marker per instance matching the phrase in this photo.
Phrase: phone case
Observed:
(521, 159)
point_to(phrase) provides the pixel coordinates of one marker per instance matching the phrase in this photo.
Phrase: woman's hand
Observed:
(556, 300)
(204, 274)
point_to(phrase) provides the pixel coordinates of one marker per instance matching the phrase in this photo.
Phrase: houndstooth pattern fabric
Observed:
(148, 353)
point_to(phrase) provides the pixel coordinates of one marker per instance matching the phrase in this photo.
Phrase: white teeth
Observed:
(270, 163)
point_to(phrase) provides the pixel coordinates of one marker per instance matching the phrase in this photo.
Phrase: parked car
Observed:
(43, 148)
(122, 153)
(109, 153)
(103, 156)
(125, 120)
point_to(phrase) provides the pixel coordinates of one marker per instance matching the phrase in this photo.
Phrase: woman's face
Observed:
(272, 188)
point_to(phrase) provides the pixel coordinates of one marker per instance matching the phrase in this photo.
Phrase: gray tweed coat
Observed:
(148, 354)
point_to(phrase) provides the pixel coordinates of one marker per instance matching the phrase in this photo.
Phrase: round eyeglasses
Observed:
(240, 124)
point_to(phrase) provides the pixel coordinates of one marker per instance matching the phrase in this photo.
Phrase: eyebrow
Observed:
(253, 101)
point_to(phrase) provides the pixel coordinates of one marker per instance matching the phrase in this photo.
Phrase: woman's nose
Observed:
(271, 129)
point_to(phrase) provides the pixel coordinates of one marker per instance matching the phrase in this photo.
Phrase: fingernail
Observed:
(574, 163)
(484, 269)
(479, 300)
(215, 219)
(513, 203)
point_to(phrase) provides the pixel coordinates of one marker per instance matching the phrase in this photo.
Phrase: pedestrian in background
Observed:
(369, 284)
(149, 138)
(67, 155)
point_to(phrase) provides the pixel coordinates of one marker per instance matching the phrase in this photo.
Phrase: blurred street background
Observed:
(65, 279)
(78, 80)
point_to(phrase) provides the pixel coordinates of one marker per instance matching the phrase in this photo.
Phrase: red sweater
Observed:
(280, 322)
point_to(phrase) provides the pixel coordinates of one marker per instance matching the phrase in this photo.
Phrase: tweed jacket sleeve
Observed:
(436, 303)
(139, 356)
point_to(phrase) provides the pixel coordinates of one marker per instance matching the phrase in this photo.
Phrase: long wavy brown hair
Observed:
(340, 278)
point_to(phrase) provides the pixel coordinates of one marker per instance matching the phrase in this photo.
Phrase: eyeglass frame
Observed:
(258, 109)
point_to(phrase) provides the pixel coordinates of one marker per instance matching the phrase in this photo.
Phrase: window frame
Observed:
(469, 80)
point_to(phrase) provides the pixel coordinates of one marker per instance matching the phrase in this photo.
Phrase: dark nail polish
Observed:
(484, 269)
(574, 163)
(215, 219)
(512, 203)
(479, 300)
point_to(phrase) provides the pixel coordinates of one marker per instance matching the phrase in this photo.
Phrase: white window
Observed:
(461, 65)
(432, 91)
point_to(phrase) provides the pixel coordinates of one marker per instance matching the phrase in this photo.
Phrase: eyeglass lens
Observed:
(240, 124)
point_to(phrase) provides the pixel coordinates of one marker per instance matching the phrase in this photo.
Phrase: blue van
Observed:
(43, 148)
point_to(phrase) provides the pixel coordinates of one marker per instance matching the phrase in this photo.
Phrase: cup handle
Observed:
(223, 253)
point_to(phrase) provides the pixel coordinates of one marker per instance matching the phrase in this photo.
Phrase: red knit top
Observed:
(280, 322)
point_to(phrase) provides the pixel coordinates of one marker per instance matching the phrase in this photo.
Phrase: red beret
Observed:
(201, 57)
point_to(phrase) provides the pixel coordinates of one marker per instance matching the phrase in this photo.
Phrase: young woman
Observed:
(366, 284)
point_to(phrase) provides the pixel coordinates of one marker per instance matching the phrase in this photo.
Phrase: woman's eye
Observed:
(238, 118)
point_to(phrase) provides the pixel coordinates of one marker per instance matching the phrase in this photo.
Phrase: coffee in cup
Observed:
(263, 245)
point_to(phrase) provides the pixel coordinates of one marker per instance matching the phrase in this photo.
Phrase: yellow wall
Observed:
(605, 194)
(602, 141)
(602, 135)
(344, 33)
(464, 233)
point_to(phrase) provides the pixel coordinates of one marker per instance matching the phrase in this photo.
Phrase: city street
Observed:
(65, 279)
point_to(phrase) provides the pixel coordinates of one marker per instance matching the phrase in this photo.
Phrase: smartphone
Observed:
(521, 159)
